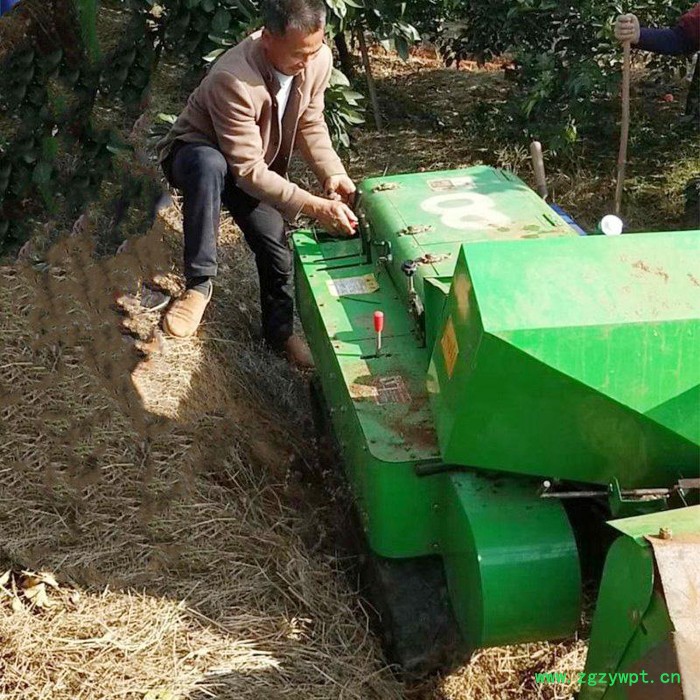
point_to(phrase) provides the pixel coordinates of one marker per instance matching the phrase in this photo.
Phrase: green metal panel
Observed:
(427, 216)
(619, 609)
(473, 204)
(652, 633)
(511, 561)
(680, 521)
(563, 379)
(498, 539)
(385, 428)
(436, 293)
(632, 629)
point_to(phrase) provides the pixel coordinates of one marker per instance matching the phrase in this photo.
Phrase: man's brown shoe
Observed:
(298, 354)
(185, 314)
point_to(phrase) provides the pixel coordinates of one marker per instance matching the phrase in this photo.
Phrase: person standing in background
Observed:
(683, 39)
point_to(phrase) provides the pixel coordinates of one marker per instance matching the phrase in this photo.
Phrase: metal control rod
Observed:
(682, 485)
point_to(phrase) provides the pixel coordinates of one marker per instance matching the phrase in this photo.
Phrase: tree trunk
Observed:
(345, 56)
(370, 80)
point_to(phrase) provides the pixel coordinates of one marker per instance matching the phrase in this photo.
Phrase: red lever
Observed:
(379, 327)
(379, 321)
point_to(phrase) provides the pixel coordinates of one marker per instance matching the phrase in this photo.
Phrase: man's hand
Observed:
(335, 216)
(340, 187)
(627, 29)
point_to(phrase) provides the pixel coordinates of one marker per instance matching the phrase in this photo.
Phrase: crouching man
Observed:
(232, 145)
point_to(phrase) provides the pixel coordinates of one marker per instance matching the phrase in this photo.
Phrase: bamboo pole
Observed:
(624, 127)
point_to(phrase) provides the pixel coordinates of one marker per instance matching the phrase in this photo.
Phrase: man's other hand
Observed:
(340, 187)
(627, 29)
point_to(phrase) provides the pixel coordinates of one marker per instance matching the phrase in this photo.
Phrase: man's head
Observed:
(293, 32)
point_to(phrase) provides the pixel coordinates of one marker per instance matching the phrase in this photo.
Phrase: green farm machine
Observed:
(517, 407)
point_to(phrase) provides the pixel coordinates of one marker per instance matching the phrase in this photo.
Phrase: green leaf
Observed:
(26, 76)
(354, 118)
(119, 76)
(402, 47)
(117, 148)
(339, 78)
(213, 55)
(72, 76)
(49, 148)
(42, 173)
(221, 21)
(220, 40)
(24, 59)
(17, 94)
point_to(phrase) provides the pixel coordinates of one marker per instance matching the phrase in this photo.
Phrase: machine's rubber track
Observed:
(417, 626)
(414, 617)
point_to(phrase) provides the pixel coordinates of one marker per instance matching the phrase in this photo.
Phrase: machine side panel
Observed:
(522, 393)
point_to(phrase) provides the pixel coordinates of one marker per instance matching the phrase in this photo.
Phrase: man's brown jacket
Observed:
(235, 108)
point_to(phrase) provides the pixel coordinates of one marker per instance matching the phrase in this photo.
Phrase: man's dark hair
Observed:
(307, 16)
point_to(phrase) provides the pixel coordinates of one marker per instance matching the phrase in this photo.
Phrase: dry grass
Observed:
(176, 518)
(508, 673)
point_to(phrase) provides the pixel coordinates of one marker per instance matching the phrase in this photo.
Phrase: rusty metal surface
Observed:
(678, 562)
(663, 658)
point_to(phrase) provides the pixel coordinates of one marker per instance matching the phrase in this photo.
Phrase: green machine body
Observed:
(515, 352)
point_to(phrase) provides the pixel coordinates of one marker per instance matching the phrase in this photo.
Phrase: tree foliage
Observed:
(566, 62)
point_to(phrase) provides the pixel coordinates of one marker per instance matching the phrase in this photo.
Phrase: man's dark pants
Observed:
(201, 173)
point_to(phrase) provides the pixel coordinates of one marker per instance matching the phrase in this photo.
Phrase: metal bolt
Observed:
(665, 533)
(435, 506)
(436, 545)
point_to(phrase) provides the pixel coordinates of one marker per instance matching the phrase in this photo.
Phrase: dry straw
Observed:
(163, 501)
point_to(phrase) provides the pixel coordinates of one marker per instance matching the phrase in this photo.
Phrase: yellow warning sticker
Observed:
(365, 284)
(450, 349)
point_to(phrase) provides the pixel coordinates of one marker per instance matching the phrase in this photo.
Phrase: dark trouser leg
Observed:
(199, 171)
(264, 231)
(692, 204)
